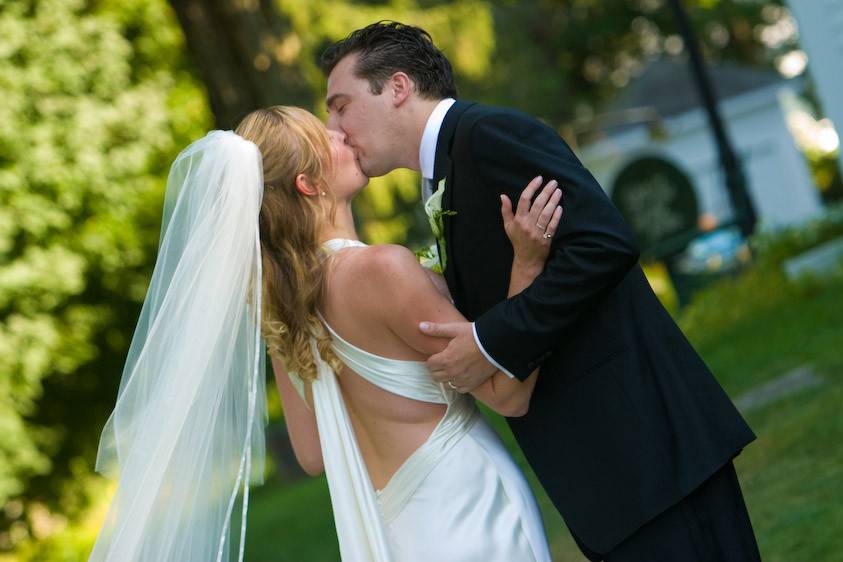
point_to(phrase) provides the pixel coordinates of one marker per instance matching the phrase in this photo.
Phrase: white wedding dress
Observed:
(458, 498)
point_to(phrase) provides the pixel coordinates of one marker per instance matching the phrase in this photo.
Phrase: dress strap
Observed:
(336, 244)
(360, 527)
(410, 379)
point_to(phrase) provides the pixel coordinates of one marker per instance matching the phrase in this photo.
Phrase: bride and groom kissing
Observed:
(542, 312)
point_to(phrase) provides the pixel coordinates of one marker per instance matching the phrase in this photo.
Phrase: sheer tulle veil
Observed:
(187, 431)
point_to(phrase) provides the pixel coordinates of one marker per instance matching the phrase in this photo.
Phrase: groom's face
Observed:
(363, 117)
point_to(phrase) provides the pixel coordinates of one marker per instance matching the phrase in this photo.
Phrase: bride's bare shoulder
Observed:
(374, 286)
(384, 261)
(378, 270)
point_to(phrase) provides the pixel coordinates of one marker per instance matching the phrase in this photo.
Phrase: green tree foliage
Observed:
(563, 60)
(95, 104)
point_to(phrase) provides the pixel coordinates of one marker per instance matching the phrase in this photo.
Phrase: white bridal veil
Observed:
(188, 427)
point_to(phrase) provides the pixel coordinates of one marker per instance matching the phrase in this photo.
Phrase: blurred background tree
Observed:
(98, 96)
(96, 100)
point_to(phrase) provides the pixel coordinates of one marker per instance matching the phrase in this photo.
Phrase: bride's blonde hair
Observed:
(292, 141)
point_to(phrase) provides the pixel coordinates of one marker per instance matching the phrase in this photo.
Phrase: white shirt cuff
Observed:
(486, 355)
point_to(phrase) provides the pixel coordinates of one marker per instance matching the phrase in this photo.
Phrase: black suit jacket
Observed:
(626, 419)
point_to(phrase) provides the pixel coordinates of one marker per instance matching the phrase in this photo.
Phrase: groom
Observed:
(628, 431)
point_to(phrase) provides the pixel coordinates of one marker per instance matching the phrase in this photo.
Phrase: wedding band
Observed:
(548, 235)
(452, 385)
(540, 227)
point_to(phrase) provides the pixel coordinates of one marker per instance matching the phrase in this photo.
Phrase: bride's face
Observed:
(346, 178)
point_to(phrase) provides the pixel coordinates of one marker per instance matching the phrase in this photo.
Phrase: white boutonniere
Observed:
(429, 258)
(436, 216)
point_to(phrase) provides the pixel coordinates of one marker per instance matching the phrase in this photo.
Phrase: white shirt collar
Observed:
(427, 150)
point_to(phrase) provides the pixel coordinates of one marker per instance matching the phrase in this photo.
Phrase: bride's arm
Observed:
(300, 420)
(439, 282)
(531, 246)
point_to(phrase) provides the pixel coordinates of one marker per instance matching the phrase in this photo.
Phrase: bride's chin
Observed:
(362, 179)
(362, 185)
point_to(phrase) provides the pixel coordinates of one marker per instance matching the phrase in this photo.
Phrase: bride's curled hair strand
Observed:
(292, 141)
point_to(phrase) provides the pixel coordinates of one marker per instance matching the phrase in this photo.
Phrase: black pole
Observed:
(735, 180)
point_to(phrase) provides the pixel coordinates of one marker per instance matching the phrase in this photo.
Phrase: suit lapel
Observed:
(446, 138)
(443, 167)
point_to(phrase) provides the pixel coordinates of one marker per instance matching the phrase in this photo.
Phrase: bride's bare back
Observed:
(388, 427)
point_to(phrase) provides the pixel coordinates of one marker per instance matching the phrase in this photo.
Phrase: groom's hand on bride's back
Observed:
(462, 363)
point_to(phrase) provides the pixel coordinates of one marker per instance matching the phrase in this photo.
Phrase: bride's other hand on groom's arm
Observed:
(530, 229)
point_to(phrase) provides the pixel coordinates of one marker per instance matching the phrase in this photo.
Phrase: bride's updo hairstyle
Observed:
(292, 141)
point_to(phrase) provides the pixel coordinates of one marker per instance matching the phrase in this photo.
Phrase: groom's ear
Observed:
(401, 86)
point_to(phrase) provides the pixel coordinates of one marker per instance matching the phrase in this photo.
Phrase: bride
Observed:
(258, 244)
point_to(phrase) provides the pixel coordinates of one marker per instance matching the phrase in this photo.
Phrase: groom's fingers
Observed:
(439, 375)
(445, 330)
(436, 365)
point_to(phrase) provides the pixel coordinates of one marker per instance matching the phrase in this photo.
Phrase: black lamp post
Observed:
(744, 211)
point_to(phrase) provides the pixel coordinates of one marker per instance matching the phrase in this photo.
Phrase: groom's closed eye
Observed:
(335, 102)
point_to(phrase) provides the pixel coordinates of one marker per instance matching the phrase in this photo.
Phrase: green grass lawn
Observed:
(792, 475)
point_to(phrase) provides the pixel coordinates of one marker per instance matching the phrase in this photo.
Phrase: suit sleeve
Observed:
(592, 251)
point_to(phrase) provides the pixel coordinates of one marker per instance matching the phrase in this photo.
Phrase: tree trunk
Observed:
(246, 54)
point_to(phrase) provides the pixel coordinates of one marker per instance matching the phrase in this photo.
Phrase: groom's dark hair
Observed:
(387, 47)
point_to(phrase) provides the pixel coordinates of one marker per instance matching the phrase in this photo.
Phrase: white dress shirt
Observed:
(427, 157)
(427, 149)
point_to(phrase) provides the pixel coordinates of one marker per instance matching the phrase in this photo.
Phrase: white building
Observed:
(678, 132)
(821, 36)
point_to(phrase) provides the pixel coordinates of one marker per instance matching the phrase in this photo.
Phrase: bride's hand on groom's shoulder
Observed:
(530, 228)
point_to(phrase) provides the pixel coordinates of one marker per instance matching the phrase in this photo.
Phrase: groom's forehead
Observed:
(343, 79)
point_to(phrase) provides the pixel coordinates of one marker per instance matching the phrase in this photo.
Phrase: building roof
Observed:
(668, 86)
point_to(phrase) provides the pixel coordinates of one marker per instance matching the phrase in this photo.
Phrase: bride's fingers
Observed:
(553, 224)
(549, 208)
(542, 199)
(527, 196)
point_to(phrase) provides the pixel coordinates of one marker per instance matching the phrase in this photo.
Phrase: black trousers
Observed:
(709, 525)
